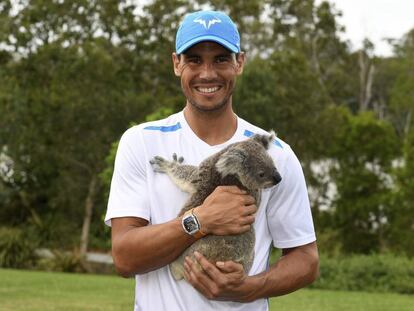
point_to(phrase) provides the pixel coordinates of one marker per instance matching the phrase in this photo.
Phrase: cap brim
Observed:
(218, 40)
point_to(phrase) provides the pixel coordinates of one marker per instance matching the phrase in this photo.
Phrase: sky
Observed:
(375, 20)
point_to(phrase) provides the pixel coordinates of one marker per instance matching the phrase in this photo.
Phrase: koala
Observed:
(244, 164)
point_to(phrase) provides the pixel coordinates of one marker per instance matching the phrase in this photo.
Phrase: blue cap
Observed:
(207, 26)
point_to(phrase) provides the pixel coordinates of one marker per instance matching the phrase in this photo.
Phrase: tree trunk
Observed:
(366, 78)
(368, 88)
(317, 67)
(88, 216)
(407, 125)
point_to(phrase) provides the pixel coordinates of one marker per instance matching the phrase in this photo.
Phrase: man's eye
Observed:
(194, 60)
(222, 59)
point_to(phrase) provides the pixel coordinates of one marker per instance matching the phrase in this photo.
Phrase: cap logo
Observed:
(207, 23)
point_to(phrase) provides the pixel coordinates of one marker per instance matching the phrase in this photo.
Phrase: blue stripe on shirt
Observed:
(171, 128)
(249, 134)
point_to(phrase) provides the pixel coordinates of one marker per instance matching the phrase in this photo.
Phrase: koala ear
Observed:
(230, 161)
(265, 140)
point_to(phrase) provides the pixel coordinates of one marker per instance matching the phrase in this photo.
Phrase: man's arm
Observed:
(138, 247)
(297, 268)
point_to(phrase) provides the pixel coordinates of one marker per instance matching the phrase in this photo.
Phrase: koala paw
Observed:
(159, 164)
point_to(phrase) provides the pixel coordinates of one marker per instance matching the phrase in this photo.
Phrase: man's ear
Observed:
(240, 60)
(176, 63)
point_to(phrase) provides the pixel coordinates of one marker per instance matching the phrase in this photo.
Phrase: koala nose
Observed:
(276, 177)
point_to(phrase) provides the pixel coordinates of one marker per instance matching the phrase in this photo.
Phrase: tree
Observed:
(71, 105)
(282, 93)
(402, 91)
(363, 158)
(402, 109)
(402, 216)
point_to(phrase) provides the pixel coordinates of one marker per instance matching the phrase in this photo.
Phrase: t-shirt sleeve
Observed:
(128, 196)
(288, 211)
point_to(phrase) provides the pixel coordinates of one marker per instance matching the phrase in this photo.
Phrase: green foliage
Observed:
(284, 81)
(365, 139)
(63, 108)
(106, 175)
(16, 248)
(62, 262)
(402, 217)
(401, 90)
(362, 175)
(374, 273)
(159, 114)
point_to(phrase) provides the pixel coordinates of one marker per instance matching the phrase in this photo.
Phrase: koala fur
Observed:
(244, 164)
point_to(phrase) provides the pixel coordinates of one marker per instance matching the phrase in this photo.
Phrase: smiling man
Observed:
(208, 75)
(143, 206)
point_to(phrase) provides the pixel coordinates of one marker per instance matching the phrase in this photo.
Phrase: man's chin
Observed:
(211, 107)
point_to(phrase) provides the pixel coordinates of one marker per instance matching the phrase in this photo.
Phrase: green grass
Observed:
(43, 291)
(326, 300)
(46, 291)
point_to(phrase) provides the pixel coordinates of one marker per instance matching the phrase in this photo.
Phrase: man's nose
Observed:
(207, 71)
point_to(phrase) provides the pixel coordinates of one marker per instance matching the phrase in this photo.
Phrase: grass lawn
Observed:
(43, 291)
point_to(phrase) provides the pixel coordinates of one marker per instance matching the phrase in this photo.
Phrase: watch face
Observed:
(190, 224)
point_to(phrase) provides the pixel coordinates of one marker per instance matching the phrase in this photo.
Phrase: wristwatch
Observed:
(191, 225)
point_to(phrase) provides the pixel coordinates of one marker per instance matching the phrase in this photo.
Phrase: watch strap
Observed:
(199, 234)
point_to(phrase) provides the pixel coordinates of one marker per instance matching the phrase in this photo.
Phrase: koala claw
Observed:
(177, 159)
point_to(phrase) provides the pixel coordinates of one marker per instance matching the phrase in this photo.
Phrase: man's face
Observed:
(208, 74)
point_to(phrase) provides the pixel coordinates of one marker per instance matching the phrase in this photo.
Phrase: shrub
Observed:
(372, 273)
(62, 262)
(17, 249)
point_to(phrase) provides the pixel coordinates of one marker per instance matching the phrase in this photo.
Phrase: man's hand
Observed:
(298, 267)
(223, 281)
(226, 211)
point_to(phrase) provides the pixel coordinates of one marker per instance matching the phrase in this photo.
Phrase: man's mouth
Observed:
(207, 90)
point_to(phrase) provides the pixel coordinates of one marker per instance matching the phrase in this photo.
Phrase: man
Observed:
(143, 206)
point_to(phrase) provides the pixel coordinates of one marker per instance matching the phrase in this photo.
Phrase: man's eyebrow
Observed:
(225, 55)
(190, 55)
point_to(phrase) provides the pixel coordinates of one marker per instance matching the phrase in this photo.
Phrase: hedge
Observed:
(370, 273)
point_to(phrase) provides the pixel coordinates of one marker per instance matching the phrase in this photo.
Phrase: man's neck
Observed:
(214, 127)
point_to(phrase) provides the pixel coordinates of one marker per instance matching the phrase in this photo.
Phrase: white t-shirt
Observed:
(283, 218)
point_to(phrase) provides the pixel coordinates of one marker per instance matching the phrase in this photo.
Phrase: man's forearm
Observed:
(138, 248)
(294, 270)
